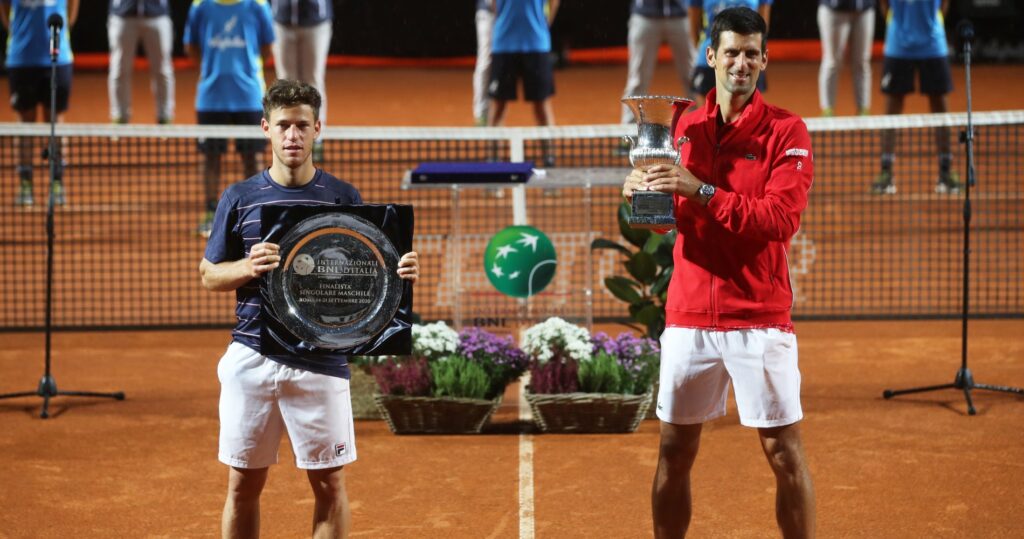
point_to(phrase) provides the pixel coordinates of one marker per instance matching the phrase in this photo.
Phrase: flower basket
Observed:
(362, 387)
(588, 412)
(435, 415)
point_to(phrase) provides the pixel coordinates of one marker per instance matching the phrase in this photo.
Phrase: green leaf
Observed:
(636, 236)
(623, 288)
(601, 243)
(649, 315)
(635, 308)
(652, 243)
(660, 286)
(642, 267)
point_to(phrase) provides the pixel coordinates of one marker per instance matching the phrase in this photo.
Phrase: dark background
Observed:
(445, 28)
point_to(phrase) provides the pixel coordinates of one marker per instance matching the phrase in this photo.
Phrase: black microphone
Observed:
(966, 31)
(55, 22)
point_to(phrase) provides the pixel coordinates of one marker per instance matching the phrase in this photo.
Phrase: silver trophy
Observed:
(656, 117)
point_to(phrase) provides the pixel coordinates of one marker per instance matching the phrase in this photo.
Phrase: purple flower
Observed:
(490, 349)
(632, 353)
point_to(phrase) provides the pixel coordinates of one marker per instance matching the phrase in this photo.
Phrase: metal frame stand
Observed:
(964, 380)
(48, 385)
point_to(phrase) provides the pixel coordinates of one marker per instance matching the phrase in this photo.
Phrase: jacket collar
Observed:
(749, 118)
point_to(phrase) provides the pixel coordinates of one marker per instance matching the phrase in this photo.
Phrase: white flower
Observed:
(434, 341)
(542, 341)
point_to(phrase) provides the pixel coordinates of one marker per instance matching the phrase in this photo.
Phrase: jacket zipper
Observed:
(714, 175)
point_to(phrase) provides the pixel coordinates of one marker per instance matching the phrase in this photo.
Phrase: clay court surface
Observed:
(917, 466)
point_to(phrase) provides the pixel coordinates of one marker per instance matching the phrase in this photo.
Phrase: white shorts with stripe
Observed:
(261, 400)
(698, 365)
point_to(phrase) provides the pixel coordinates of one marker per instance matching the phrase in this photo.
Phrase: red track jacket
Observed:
(730, 269)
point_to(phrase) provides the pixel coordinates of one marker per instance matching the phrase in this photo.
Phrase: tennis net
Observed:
(127, 252)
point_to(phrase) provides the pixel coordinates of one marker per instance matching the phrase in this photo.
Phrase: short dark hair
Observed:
(291, 93)
(741, 20)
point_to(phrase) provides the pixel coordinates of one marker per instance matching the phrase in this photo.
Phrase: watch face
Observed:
(707, 191)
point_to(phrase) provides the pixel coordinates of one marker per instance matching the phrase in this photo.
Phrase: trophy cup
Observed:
(656, 117)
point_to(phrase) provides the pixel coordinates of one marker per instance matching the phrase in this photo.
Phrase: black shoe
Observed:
(883, 184)
(949, 183)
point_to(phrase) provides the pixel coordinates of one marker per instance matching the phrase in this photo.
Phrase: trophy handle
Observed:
(681, 140)
(630, 139)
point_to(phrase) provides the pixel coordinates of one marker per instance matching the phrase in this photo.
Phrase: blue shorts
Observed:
(219, 145)
(933, 74)
(30, 86)
(534, 68)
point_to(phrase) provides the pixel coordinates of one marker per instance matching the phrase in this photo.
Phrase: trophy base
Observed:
(652, 222)
(651, 209)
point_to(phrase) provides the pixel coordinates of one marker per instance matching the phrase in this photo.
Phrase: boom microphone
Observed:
(966, 31)
(55, 22)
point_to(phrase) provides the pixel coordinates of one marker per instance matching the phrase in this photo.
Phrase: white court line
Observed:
(526, 522)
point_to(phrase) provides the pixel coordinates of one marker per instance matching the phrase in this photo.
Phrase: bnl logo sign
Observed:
(520, 261)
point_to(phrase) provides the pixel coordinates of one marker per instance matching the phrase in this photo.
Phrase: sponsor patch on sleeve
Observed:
(799, 152)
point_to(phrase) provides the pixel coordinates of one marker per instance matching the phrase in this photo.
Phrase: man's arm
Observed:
(5, 11)
(72, 12)
(230, 275)
(552, 11)
(944, 8)
(883, 8)
(696, 16)
(267, 52)
(194, 53)
(765, 10)
(774, 215)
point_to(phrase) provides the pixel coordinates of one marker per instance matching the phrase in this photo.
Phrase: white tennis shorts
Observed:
(697, 366)
(261, 399)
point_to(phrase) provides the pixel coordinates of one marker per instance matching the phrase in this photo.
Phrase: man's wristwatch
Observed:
(705, 192)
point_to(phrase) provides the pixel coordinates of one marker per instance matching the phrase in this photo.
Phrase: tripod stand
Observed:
(964, 380)
(47, 385)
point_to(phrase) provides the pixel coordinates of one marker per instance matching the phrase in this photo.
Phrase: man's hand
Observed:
(634, 182)
(409, 267)
(671, 179)
(263, 257)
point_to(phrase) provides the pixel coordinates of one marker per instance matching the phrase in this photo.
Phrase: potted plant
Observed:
(647, 259)
(452, 382)
(580, 383)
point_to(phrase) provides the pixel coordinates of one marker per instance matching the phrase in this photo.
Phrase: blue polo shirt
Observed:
(712, 8)
(230, 34)
(914, 30)
(236, 228)
(28, 38)
(520, 26)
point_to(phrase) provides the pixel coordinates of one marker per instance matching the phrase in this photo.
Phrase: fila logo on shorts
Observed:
(339, 449)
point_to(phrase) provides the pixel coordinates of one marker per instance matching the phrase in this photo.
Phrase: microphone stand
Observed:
(964, 380)
(47, 388)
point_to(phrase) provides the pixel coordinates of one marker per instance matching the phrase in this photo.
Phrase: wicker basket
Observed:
(435, 415)
(588, 412)
(362, 387)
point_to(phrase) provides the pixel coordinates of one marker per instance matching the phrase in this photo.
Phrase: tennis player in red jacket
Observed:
(738, 195)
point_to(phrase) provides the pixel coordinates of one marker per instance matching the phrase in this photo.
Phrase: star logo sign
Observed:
(520, 261)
